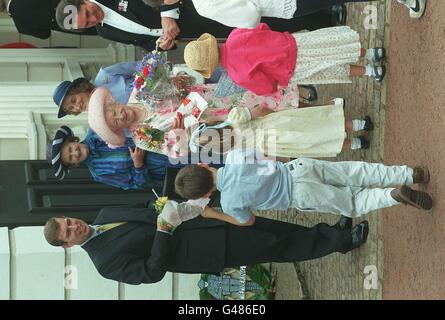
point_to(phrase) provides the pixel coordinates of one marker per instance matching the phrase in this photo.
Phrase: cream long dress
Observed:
(304, 132)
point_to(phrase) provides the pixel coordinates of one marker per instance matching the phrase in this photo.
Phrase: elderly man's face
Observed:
(89, 15)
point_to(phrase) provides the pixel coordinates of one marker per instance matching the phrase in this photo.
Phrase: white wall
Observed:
(42, 272)
(4, 264)
(14, 149)
(36, 267)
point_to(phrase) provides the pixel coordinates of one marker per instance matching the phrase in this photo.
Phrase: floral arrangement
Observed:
(160, 203)
(152, 79)
(150, 138)
(155, 140)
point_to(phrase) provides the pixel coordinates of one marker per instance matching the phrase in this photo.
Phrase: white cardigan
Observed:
(244, 13)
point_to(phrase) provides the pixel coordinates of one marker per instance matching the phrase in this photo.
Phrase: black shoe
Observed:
(311, 93)
(364, 143)
(379, 73)
(344, 223)
(369, 126)
(359, 234)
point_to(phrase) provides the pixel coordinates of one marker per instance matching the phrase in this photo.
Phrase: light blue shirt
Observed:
(248, 181)
(118, 78)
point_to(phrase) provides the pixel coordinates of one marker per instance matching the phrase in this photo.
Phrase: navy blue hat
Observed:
(60, 93)
(53, 151)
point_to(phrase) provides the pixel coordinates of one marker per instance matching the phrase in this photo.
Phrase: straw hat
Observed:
(202, 55)
(96, 119)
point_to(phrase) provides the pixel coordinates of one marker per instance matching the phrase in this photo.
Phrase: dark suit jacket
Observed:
(37, 18)
(136, 253)
(192, 25)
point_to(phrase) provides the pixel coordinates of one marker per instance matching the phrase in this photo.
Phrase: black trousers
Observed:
(275, 241)
(305, 7)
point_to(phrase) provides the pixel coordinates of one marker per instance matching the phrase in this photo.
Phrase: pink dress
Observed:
(260, 59)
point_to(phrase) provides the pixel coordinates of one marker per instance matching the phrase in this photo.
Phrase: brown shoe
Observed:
(415, 198)
(421, 175)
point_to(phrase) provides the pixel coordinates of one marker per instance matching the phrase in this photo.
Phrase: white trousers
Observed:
(347, 187)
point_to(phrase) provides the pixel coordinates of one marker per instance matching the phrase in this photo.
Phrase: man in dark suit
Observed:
(134, 22)
(139, 247)
(37, 18)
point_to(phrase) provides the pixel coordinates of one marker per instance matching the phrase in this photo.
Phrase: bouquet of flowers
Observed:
(160, 204)
(148, 138)
(152, 79)
(173, 143)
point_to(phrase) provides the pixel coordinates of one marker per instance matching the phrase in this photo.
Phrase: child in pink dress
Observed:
(260, 59)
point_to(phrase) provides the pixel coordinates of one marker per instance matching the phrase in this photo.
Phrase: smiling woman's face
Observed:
(76, 103)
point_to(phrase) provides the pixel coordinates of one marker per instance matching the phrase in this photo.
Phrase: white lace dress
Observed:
(324, 55)
(303, 132)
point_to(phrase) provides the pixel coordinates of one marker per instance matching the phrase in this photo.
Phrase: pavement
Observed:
(403, 257)
(406, 247)
(346, 276)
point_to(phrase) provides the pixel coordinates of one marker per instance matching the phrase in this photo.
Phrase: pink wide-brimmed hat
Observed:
(96, 118)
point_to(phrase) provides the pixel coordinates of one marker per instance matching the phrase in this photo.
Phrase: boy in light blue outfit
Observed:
(249, 182)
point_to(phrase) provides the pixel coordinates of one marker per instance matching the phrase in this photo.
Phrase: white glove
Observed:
(170, 213)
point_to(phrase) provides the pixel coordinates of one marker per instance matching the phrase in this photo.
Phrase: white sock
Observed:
(358, 125)
(370, 53)
(369, 70)
(355, 143)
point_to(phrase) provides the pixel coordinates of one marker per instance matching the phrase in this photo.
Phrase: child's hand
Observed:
(179, 121)
(137, 156)
(259, 111)
(208, 213)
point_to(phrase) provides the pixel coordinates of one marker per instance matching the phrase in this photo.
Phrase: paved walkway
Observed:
(414, 134)
(341, 276)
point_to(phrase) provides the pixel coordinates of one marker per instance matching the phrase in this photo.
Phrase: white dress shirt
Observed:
(244, 13)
